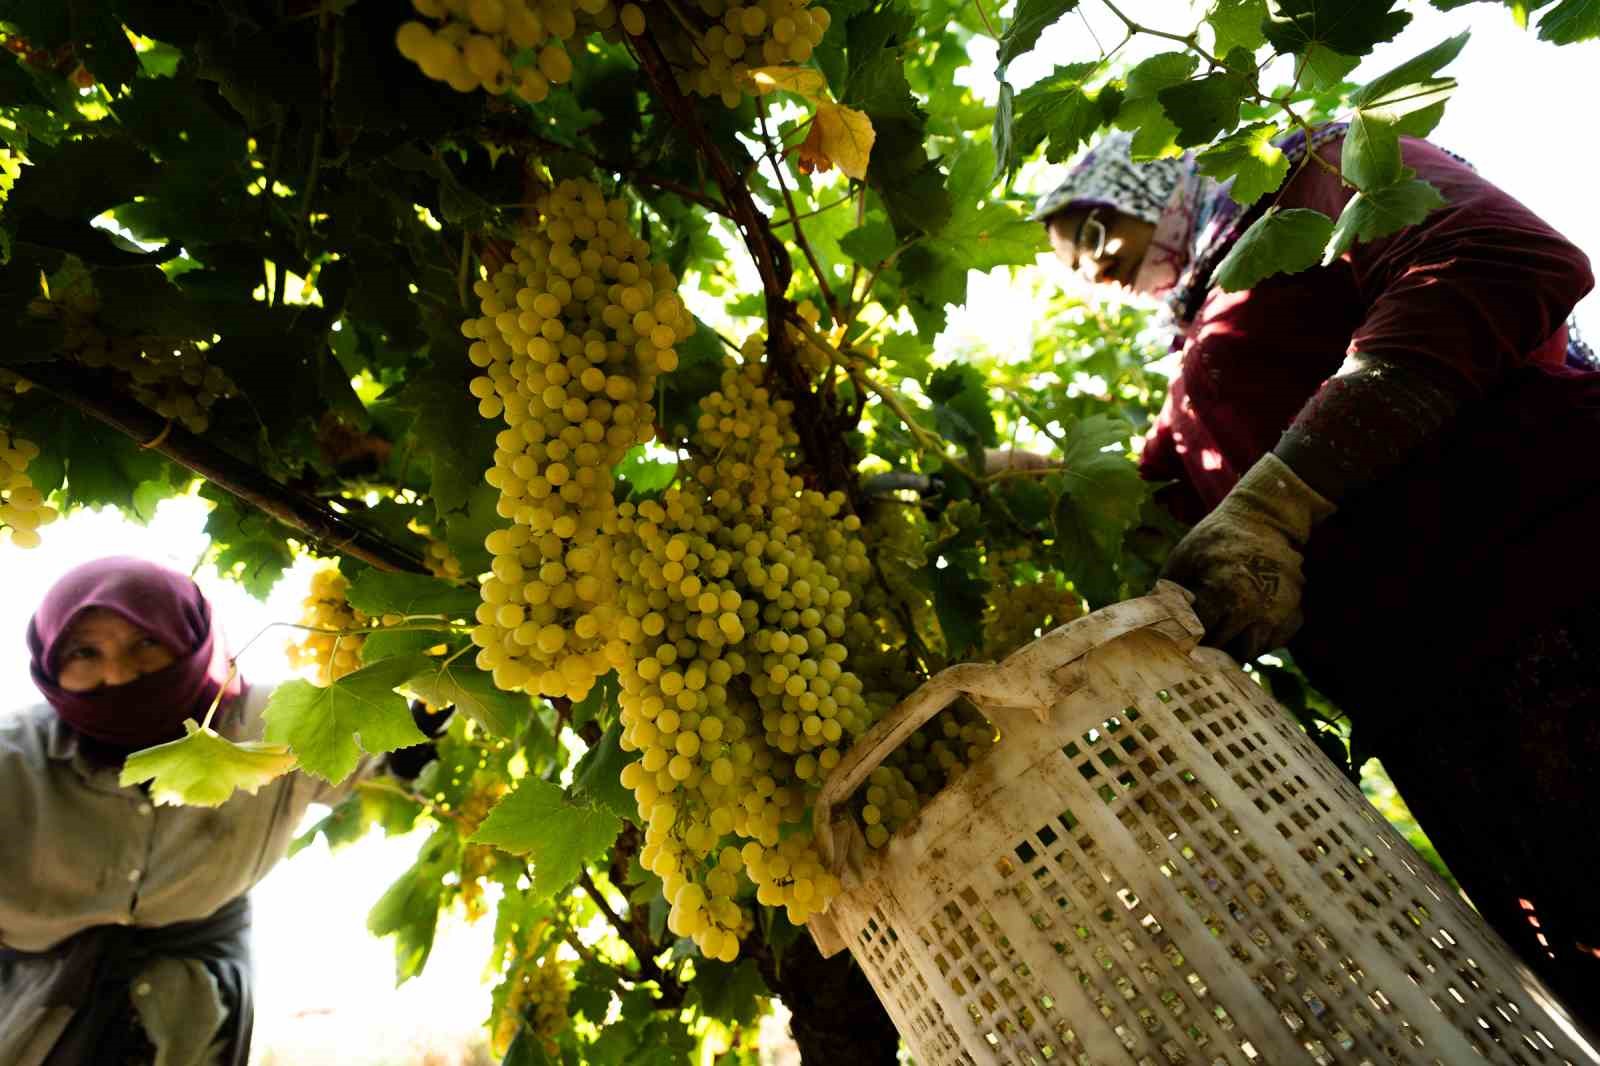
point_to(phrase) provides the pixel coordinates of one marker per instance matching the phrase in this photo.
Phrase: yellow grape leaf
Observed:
(844, 136)
(204, 768)
(802, 81)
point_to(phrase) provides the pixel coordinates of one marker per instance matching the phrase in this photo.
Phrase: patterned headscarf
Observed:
(1107, 176)
(1196, 221)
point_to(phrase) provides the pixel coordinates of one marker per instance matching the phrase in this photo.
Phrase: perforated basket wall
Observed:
(1155, 866)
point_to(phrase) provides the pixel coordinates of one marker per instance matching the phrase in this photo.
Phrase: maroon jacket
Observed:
(1484, 533)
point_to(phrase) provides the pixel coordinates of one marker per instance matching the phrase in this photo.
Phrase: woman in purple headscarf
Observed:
(124, 926)
(1391, 463)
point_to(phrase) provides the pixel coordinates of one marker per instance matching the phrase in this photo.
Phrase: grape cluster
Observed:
(1018, 610)
(169, 375)
(738, 587)
(329, 656)
(573, 333)
(730, 39)
(437, 556)
(535, 993)
(22, 507)
(521, 46)
(473, 42)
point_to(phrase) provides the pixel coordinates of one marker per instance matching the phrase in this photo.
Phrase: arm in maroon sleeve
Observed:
(1479, 287)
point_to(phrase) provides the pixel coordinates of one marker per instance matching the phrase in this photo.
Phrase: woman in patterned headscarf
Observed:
(1407, 436)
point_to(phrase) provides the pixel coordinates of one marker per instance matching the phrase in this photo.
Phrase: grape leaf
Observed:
(250, 547)
(840, 136)
(541, 821)
(1058, 111)
(1353, 27)
(729, 992)
(473, 692)
(1394, 90)
(328, 727)
(410, 907)
(1237, 24)
(378, 593)
(805, 82)
(1003, 133)
(204, 768)
(1570, 22)
(958, 600)
(1370, 157)
(1370, 215)
(1278, 242)
(643, 474)
(870, 244)
(983, 233)
(960, 396)
(1101, 496)
(596, 779)
(1155, 135)
(1408, 99)
(387, 643)
(1204, 107)
(1320, 67)
(1033, 17)
(1248, 156)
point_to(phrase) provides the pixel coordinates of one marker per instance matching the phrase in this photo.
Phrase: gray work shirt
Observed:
(78, 850)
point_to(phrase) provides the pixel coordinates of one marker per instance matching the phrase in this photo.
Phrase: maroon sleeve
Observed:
(1479, 286)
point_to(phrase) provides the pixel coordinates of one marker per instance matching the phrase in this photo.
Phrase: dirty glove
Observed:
(1243, 561)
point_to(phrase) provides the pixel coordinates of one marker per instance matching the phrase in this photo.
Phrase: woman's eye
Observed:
(82, 653)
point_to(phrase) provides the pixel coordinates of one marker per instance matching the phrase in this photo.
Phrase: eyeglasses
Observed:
(1092, 228)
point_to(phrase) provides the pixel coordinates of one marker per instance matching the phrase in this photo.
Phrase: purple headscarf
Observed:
(164, 603)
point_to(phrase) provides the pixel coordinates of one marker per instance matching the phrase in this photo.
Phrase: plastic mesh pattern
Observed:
(1199, 886)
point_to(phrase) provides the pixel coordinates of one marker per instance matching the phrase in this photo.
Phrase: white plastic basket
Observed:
(1155, 866)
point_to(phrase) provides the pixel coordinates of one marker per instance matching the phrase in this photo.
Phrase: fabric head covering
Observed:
(1107, 176)
(1197, 222)
(164, 603)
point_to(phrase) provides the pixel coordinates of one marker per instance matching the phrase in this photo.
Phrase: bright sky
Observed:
(310, 909)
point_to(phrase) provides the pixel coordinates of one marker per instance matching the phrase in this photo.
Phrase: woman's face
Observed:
(103, 648)
(1076, 237)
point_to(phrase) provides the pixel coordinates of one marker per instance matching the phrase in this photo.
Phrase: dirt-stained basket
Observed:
(1156, 866)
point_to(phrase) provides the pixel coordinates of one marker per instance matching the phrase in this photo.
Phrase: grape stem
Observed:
(858, 374)
(671, 989)
(501, 135)
(794, 219)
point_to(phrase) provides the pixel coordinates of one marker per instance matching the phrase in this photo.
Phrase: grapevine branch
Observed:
(671, 989)
(821, 430)
(794, 217)
(250, 485)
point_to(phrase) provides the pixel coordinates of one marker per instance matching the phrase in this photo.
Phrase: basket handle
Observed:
(1023, 681)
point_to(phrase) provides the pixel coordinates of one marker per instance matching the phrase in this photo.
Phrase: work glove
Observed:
(1243, 560)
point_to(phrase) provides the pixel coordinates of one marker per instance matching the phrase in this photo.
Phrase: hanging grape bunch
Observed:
(521, 47)
(470, 44)
(327, 648)
(22, 507)
(169, 375)
(574, 331)
(729, 40)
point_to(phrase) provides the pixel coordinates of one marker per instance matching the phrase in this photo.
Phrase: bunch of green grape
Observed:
(573, 333)
(471, 44)
(22, 507)
(329, 649)
(715, 51)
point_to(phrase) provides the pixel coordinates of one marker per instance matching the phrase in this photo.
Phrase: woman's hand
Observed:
(1243, 561)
